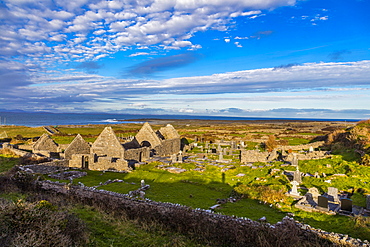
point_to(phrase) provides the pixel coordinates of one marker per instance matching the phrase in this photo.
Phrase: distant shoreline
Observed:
(34, 119)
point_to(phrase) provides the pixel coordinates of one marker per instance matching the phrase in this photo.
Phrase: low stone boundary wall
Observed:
(203, 224)
(17, 151)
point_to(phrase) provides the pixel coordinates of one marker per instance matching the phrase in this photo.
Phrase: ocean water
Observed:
(43, 119)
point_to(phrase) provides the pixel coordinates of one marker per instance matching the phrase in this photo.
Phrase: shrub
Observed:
(270, 144)
(365, 160)
(34, 224)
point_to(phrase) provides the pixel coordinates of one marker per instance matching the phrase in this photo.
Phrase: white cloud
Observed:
(238, 44)
(139, 54)
(166, 23)
(227, 40)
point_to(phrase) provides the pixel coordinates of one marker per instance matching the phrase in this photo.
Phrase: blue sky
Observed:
(260, 58)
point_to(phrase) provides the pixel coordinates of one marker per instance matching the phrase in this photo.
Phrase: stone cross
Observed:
(294, 190)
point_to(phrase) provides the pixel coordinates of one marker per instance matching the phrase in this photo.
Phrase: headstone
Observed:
(173, 158)
(323, 202)
(214, 151)
(242, 144)
(201, 148)
(314, 192)
(179, 157)
(195, 139)
(221, 156)
(207, 145)
(346, 204)
(368, 202)
(297, 176)
(294, 190)
(295, 160)
(333, 194)
(142, 183)
(142, 194)
(233, 145)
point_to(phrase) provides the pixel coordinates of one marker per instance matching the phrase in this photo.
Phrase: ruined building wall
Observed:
(146, 134)
(169, 132)
(77, 146)
(107, 144)
(45, 143)
(168, 147)
(105, 163)
(137, 154)
(253, 156)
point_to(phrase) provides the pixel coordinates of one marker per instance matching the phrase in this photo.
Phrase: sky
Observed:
(236, 58)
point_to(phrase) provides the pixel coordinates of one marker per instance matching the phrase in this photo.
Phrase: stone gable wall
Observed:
(45, 143)
(146, 134)
(77, 146)
(169, 132)
(107, 144)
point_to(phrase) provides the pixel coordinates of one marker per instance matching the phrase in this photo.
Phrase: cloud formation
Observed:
(89, 30)
(94, 92)
(163, 63)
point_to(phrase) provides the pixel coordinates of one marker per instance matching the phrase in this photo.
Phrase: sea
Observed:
(35, 119)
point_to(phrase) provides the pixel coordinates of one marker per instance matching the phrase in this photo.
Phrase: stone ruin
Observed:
(251, 156)
(46, 146)
(108, 153)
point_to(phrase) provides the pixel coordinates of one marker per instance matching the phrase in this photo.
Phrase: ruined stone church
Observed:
(107, 152)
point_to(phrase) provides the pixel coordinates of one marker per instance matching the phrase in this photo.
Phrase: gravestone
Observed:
(173, 158)
(295, 160)
(214, 151)
(233, 145)
(294, 190)
(201, 148)
(242, 144)
(142, 183)
(323, 202)
(221, 156)
(368, 202)
(346, 205)
(207, 145)
(297, 176)
(179, 157)
(315, 193)
(142, 194)
(333, 194)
